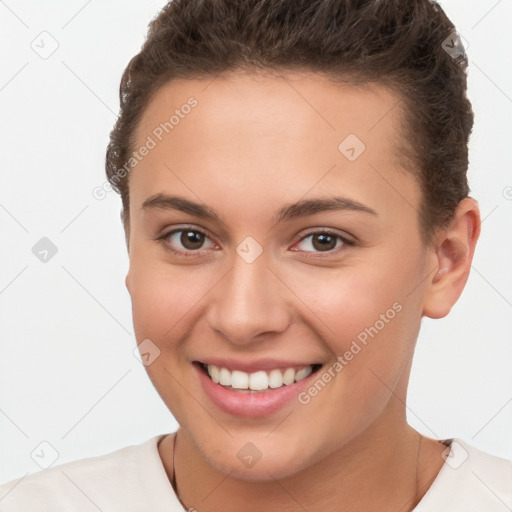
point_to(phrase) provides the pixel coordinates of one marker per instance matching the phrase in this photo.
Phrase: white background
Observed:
(67, 372)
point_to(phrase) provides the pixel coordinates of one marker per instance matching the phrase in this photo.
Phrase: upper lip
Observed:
(255, 365)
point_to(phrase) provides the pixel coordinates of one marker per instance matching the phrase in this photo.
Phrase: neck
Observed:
(378, 469)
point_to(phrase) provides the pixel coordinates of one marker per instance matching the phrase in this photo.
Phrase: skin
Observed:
(253, 144)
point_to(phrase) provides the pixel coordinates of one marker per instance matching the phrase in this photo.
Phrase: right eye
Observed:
(186, 241)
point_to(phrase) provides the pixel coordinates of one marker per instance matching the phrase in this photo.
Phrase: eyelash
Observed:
(191, 253)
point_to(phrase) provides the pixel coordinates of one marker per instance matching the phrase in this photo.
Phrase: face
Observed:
(272, 233)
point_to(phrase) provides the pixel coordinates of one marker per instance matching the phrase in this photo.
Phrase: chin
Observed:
(269, 467)
(261, 472)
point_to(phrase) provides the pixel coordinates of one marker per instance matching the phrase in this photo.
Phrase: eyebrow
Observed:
(303, 208)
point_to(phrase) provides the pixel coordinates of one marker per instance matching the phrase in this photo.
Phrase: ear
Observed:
(126, 225)
(127, 282)
(451, 256)
(125, 219)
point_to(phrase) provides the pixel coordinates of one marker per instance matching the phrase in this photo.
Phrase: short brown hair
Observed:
(398, 43)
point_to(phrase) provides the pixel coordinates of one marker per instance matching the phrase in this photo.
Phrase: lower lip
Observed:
(250, 405)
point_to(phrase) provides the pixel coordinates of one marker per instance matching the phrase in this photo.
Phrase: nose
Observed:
(250, 303)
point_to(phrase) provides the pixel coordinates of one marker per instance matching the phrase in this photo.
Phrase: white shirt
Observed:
(133, 479)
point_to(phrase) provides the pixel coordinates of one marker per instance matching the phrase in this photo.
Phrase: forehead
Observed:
(295, 105)
(272, 135)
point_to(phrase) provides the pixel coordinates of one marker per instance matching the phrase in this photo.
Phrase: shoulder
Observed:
(470, 480)
(103, 482)
(492, 474)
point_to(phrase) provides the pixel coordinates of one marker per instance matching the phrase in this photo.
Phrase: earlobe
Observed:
(451, 259)
(126, 226)
(127, 282)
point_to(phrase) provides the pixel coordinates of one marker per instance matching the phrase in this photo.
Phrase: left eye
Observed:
(323, 241)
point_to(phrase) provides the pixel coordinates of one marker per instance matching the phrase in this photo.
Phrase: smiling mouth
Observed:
(259, 381)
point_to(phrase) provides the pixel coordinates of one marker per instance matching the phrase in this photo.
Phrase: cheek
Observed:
(168, 302)
(349, 301)
(370, 326)
(370, 354)
(165, 302)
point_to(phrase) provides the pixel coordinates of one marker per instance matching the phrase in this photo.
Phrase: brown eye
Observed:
(323, 241)
(186, 241)
(191, 239)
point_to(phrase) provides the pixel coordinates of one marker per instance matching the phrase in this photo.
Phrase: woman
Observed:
(295, 200)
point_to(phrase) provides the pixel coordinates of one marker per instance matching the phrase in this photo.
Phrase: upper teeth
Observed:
(257, 381)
